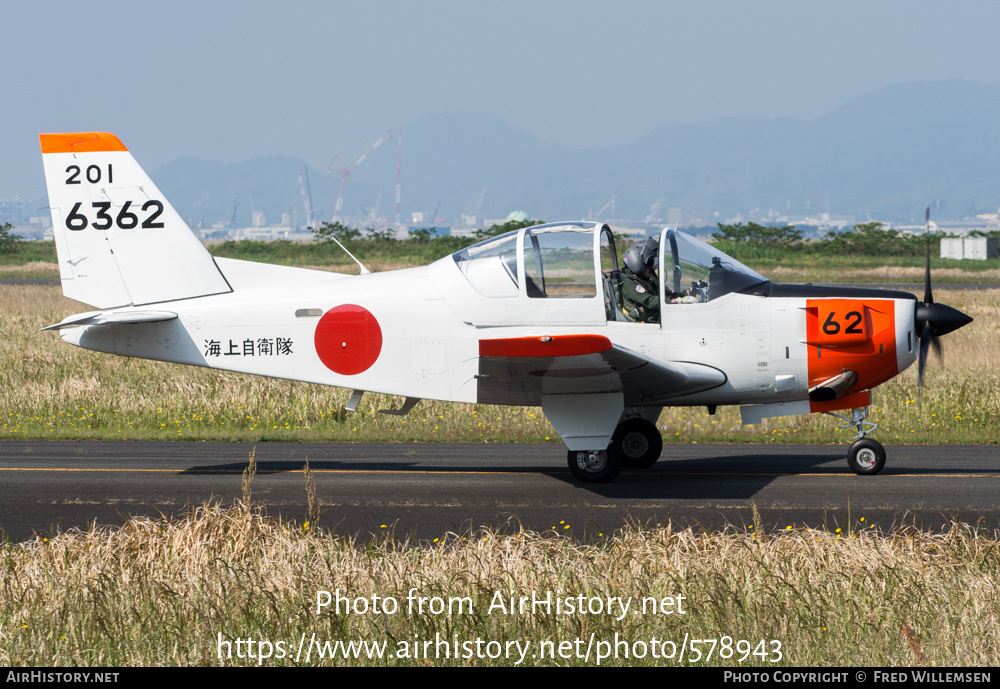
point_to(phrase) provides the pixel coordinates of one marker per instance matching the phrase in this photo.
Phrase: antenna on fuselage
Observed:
(364, 271)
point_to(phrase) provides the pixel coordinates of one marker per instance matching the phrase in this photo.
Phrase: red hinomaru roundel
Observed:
(348, 339)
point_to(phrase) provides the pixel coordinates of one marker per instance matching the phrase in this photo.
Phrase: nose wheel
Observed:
(866, 456)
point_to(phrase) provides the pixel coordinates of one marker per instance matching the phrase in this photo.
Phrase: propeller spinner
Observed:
(933, 320)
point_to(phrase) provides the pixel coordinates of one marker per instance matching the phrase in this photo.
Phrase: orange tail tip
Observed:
(84, 142)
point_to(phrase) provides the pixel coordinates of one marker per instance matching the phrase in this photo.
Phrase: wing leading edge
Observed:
(520, 370)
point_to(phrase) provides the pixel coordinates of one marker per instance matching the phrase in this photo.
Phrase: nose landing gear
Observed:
(866, 455)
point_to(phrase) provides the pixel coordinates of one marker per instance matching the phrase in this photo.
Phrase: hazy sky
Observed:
(230, 80)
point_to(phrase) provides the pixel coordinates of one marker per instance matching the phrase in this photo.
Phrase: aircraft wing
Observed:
(520, 370)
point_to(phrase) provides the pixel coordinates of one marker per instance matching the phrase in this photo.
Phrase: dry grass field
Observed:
(185, 592)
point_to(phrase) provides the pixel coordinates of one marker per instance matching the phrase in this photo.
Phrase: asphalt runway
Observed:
(424, 491)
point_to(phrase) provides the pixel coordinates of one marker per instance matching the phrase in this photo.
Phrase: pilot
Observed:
(640, 286)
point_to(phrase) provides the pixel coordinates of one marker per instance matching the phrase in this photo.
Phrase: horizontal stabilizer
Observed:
(111, 318)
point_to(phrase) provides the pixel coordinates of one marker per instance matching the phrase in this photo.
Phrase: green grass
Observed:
(328, 253)
(38, 260)
(26, 252)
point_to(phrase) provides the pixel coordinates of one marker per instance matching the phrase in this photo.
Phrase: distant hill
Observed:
(886, 154)
(205, 192)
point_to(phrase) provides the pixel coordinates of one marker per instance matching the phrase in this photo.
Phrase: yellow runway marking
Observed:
(265, 471)
(483, 472)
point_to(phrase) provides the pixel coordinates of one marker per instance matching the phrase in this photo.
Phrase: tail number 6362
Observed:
(125, 219)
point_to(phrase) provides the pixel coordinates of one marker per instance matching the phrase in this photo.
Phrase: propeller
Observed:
(933, 320)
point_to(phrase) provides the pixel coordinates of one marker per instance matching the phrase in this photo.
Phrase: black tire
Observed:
(588, 468)
(866, 457)
(639, 443)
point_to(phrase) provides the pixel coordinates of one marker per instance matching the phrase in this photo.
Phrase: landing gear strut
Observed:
(866, 455)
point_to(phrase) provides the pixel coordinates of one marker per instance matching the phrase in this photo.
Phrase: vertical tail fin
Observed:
(118, 240)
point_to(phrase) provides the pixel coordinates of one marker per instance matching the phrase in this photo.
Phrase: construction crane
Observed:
(346, 171)
(473, 209)
(399, 158)
(610, 203)
(370, 215)
(306, 197)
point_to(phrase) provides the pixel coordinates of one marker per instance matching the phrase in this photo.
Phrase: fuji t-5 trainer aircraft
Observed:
(532, 317)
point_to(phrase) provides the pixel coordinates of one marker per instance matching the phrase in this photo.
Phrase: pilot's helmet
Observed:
(641, 255)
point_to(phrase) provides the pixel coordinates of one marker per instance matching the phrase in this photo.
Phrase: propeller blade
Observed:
(931, 320)
(928, 295)
(925, 338)
(938, 349)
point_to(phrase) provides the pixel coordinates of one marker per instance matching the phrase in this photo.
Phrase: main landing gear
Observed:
(636, 444)
(866, 455)
(594, 466)
(639, 442)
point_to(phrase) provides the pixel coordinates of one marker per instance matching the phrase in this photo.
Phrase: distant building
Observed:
(969, 248)
(270, 233)
(689, 216)
(12, 211)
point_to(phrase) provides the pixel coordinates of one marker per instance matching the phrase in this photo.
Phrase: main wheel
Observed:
(594, 466)
(639, 442)
(866, 456)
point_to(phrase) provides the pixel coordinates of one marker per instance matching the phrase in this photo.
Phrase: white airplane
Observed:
(532, 317)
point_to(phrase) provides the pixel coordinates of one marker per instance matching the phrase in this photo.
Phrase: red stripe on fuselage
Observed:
(556, 345)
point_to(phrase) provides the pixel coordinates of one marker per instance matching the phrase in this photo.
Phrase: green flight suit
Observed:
(641, 297)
